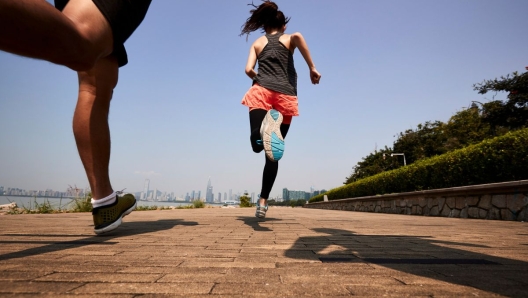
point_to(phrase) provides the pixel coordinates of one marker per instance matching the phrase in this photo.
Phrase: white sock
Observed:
(110, 199)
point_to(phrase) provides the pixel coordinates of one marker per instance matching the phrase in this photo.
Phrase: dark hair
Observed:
(266, 15)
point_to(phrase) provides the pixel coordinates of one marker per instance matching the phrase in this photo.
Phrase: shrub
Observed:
(500, 159)
(297, 203)
(198, 204)
(185, 207)
(245, 201)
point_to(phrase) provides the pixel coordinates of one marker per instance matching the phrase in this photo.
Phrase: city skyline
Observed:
(145, 194)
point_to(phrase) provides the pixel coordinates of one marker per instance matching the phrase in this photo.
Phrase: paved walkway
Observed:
(294, 252)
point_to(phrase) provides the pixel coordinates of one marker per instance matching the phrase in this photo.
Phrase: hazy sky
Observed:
(176, 116)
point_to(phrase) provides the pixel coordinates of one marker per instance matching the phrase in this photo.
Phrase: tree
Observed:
(423, 142)
(466, 127)
(512, 114)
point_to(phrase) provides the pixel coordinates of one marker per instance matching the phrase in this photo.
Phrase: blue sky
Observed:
(176, 116)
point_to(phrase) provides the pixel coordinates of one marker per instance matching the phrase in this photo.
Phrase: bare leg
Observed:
(90, 123)
(76, 38)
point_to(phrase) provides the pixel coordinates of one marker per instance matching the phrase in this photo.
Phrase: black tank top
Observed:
(276, 70)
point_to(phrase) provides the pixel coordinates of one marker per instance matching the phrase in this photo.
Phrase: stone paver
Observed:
(292, 253)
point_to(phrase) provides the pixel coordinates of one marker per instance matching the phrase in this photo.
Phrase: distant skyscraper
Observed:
(285, 194)
(219, 199)
(144, 195)
(225, 196)
(230, 195)
(209, 197)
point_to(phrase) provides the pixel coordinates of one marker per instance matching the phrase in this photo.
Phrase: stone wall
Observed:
(499, 201)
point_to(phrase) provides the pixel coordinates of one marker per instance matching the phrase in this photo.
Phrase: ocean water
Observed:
(64, 203)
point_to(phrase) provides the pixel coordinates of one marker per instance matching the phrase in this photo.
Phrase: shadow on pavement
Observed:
(254, 222)
(421, 256)
(125, 230)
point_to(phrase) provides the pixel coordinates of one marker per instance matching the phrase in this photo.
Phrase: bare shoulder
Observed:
(291, 41)
(296, 36)
(286, 40)
(260, 43)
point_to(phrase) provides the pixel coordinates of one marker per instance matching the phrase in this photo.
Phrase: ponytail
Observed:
(266, 15)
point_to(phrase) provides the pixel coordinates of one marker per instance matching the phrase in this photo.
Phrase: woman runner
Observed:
(272, 99)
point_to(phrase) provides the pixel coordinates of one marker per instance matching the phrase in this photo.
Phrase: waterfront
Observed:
(64, 203)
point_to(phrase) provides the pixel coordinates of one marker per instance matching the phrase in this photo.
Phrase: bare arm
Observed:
(298, 41)
(251, 62)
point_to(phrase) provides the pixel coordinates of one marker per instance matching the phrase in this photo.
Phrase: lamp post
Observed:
(402, 154)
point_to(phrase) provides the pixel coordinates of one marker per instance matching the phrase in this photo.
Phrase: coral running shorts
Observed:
(259, 97)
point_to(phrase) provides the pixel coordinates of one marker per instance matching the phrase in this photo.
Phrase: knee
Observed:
(82, 65)
(85, 56)
(81, 58)
(102, 77)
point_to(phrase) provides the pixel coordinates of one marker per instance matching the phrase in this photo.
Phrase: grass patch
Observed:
(34, 208)
(83, 204)
(195, 204)
(146, 208)
(150, 208)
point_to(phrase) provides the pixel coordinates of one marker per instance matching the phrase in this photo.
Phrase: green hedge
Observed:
(500, 159)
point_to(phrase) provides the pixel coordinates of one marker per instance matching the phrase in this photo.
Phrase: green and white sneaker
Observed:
(261, 211)
(108, 218)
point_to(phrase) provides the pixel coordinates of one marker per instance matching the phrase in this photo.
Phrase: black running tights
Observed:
(270, 168)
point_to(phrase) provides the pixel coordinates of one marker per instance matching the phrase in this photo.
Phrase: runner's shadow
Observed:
(125, 230)
(420, 256)
(254, 222)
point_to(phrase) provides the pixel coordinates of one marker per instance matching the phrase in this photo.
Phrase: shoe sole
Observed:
(271, 135)
(116, 223)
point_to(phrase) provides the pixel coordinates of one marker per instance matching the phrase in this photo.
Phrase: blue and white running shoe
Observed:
(271, 135)
(261, 211)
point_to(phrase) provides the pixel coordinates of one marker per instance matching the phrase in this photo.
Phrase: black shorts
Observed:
(124, 16)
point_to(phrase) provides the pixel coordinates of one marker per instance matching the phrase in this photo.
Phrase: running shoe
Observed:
(261, 211)
(271, 135)
(108, 218)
